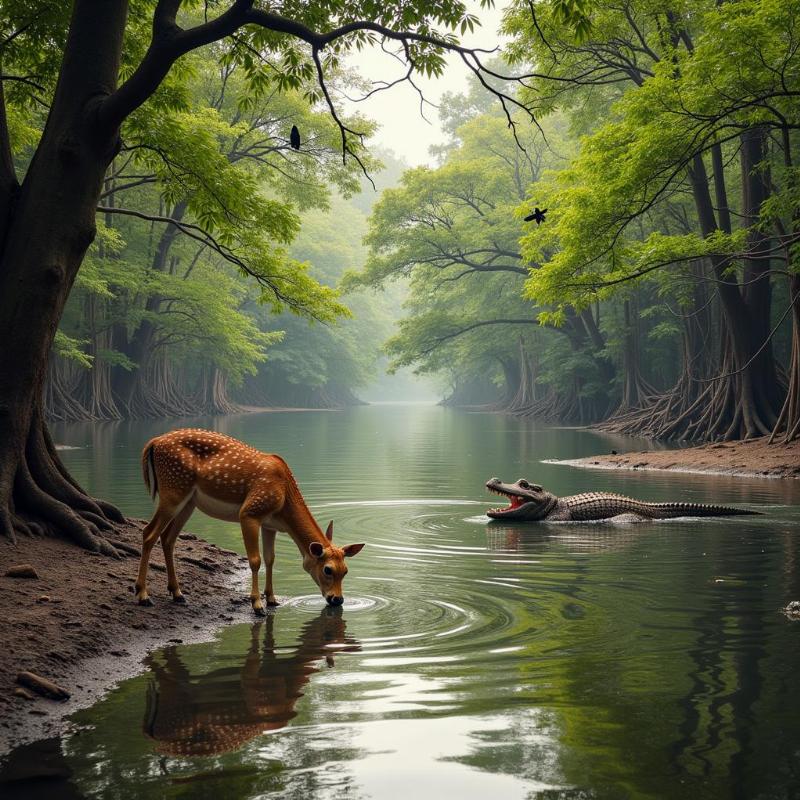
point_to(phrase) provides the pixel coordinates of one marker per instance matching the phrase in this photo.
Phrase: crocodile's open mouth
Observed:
(515, 502)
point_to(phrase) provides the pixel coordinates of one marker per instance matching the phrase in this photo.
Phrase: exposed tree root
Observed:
(60, 401)
(573, 407)
(45, 501)
(212, 394)
(156, 393)
(725, 408)
(787, 426)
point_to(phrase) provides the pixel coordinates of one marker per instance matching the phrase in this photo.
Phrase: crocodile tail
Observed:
(669, 510)
(149, 470)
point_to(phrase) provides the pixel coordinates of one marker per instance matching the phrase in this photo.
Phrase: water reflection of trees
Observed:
(677, 680)
(221, 710)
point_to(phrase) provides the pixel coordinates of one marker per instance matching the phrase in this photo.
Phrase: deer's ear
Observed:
(329, 531)
(351, 550)
(316, 549)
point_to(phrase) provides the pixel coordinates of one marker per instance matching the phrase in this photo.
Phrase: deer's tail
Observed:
(149, 470)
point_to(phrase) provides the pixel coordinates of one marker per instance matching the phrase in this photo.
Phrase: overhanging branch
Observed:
(205, 238)
(170, 41)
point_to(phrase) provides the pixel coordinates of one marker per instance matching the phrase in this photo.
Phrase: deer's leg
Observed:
(250, 530)
(168, 539)
(163, 516)
(268, 540)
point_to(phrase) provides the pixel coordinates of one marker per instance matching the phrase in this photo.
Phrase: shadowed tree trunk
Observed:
(788, 422)
(136, 390)
(526, 390)
(212, 394)
(743, 400)
(740, 396)
(48, 224)
(634, 387)
(670, 414)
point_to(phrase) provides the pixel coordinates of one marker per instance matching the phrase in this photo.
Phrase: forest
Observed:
(232, 284)
(224, 269)
(657, 298)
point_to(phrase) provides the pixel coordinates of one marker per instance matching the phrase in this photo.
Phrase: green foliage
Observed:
(223, 171)
(452, 233)
(612, 210)
(71, 349)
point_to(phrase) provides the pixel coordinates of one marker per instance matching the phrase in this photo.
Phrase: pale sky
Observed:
(397, 110)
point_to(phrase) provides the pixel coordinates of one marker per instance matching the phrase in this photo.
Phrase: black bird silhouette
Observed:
(538, 215)
(294, 138)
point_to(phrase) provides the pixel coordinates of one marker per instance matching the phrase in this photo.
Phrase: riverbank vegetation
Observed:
(659, 297)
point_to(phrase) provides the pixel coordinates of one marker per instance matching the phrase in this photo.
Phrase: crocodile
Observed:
(529, 502)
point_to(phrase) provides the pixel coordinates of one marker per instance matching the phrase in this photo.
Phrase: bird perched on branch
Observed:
(538, 215)
(294, 138)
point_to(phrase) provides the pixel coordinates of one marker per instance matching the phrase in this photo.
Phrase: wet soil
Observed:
(752, 458)
(77, 624)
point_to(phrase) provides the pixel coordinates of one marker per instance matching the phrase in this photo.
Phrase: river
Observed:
(470, 659)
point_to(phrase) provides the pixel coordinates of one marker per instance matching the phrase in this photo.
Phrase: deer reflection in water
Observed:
(219, 711)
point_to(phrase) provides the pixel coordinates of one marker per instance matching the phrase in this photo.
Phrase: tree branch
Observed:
(170, 41)
(204, 237)
(439, 340)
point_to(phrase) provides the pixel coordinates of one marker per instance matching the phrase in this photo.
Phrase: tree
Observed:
(220, 169)
(97, 64)
(708, 82)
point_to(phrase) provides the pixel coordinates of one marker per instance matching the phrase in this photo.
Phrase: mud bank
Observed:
(753, 459)
(78, 626)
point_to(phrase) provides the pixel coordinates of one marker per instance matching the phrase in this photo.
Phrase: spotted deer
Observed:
(231, 481)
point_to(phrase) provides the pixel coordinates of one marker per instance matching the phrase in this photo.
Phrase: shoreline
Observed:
(77, 624)
(752, 458)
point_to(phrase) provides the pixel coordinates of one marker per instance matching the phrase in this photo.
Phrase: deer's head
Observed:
(325, 564)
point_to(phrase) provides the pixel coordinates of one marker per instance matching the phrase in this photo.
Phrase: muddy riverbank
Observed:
(752, 458)
(78, 626)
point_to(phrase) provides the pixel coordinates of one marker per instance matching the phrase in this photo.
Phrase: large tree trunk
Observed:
(134, 390)
(788, 423)
(674, 414)
(743, 399)
(526, 390)
(635, 388)
(212, 393)
(43, 241)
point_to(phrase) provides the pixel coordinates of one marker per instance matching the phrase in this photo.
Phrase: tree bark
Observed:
(749, 378)
(132, 390)
(50, 225)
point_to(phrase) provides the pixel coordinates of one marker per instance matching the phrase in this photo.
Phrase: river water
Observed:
(471, 659)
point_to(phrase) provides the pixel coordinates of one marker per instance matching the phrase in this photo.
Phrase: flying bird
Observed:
(538, 215)
(294, 138)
